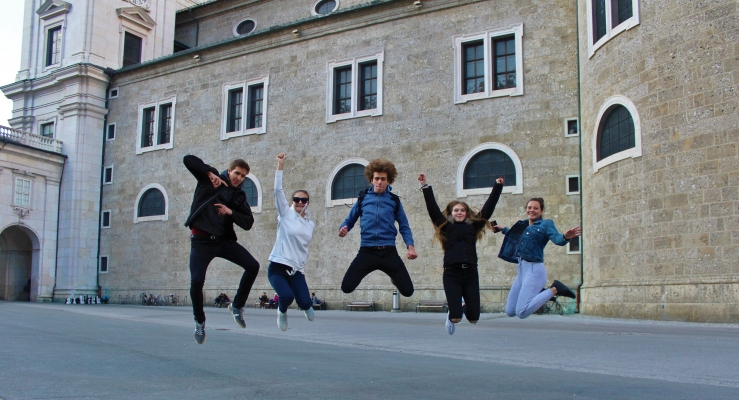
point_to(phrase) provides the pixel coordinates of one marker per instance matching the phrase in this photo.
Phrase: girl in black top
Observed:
(457, 229)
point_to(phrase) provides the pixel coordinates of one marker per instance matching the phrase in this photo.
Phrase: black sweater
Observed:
(461, 237)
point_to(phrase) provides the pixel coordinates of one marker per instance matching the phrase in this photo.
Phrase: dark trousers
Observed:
(202, 251)
(370, 259)
(462, 282)
(288, 287)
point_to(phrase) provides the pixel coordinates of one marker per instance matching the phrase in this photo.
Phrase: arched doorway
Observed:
(16, 264)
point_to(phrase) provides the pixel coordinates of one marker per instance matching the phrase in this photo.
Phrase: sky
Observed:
(11, 32)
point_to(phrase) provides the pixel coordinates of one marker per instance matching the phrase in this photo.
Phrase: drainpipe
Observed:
(110, 72)
(197, 27)
(579, 123)
(58, 209)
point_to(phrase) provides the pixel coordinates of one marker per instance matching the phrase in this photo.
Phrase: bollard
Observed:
(395, 302)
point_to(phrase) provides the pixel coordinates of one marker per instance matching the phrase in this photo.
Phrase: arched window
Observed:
(152, 204)
(617, 133)
(346, 181)
(325, 7)
(483, 165)
(252, 195)
(244, 27)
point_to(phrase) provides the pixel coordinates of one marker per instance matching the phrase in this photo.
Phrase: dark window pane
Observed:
(617, 132)
(54, 45)
(47, 130)
(103, 264)
(251, 192)
(474, 67)
(575, 244)
(348, 182)
(108, 178)
(624, 11)
(131, 49)
(573, 184)
(325, 7)
(147, 128)
(505, 62)
(342, 90)
(256, 106)
(106, 218)
(599, 19)
(165, 123)
(152, 203)
(368, 86)
(245, 27)
(111, 132)
(487, 166)
(234, 109)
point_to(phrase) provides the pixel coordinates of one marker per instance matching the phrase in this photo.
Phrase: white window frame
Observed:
(156, 105)
(487, 37)
(111, 91)
(107, 264)
(106, 168)
(107, 128)
(44, 121)
(633, 152)
(569, 251)
(56, 24)
(611, 31)
(518, 189)
(110, 221)
(354, 63)
(237, 34)
(566, 127)
(138, 34)
(164, 217)
(16, 194)
(567, 184)
(264, 80)
(258, 207)
(332, 176)
(315, 14)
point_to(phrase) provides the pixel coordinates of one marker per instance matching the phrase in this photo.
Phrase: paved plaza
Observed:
(54, 351)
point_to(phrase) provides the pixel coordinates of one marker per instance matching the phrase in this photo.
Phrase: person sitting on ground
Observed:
(314, 299)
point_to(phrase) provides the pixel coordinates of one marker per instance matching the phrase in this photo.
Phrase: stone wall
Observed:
(661, 231)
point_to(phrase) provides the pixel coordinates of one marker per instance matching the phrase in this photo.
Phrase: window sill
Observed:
(633, 152)
(624, 26)
(494, 94)
(150, 218)
(154, 148)
(248, 132)
(365, 113)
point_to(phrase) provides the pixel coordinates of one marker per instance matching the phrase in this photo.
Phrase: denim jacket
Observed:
(377, 222)
(528, 241)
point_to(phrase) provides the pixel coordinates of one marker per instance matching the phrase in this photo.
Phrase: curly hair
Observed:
(471, 217)
(381, 165)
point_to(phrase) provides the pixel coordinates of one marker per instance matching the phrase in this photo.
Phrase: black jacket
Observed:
(205, 196)
(461, 237)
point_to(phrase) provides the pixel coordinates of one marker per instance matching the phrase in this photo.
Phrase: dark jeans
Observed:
(459, 282)
(202, 251)
(371, 259)
(288, 287)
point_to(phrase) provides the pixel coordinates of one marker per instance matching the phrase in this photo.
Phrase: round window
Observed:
(245, 27)
(325, 7)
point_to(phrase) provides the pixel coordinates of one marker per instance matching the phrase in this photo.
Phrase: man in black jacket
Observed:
(218, 203)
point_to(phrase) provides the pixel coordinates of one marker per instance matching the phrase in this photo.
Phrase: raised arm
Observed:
(492, 201)
(280, 199)
(203, 172)
(437, 218)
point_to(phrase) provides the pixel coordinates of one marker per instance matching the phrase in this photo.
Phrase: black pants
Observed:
(202, 251)
(459, 282)
(370, 259)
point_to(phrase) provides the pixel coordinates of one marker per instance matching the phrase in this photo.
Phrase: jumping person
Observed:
(457, 229)
(524, 244)
(218, 203)
(379, 210)
(295, 229)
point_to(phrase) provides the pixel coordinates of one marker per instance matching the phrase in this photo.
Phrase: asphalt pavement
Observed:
(56, 351)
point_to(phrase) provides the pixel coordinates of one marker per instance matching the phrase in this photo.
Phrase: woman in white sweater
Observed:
(290, 253)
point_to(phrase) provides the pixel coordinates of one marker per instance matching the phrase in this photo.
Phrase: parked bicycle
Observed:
(174, 300)
(551, 307)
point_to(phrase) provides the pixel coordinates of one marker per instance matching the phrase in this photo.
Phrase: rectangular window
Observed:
(573, 247)
(235, 104)
(22, 192)
(156, 126)
(105, 219)
(131, 49)
(53, 45)
(108, 175)
(256, 93)
(608, 18)
(110, 132)
(354, 88)
(245, 108)
(113, 94)
(573, 184)
(571, 128)
(47, 130)
(488, 64)
(103, 264)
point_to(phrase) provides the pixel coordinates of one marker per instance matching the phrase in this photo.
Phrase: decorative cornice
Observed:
(52, 8)
(138, 16)
(22, 212)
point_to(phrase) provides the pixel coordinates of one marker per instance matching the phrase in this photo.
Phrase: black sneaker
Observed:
(238, 314)
(200, 332)
(562, 289)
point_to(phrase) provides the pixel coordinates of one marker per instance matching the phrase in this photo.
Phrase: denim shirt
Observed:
(528, 241)
(377, 222)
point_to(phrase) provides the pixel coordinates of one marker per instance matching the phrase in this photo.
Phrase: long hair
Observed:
(470, 218)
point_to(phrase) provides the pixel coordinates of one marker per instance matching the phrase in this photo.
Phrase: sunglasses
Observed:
(300, 200)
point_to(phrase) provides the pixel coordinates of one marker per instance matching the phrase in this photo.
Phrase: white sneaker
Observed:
(309, 313)
(449, 325)
(282, 320)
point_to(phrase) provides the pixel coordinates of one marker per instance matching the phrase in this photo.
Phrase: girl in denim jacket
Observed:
(524, 243)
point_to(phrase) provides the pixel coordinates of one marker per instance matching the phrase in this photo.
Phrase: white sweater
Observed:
(294, 232)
